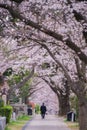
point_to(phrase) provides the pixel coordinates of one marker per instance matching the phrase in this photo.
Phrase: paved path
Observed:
(50, 122)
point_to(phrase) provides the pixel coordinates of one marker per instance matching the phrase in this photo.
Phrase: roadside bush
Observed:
(1, 103)
(6, 111)
(37, 109)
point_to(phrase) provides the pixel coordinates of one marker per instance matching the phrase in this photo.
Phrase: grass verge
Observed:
(72, 125)
(18, 124)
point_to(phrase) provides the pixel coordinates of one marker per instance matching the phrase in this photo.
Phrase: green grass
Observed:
(19, 123)
(72, 125)
(24, 117)
(7, 128)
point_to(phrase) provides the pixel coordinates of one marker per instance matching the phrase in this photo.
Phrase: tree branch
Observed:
(16, 14)
(51, 86)
(30, 93)
(22, 83)
(81, 70)
(57, 61)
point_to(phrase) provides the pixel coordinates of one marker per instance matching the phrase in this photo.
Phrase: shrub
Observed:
(6, 111)
(1, 103)
(37, 109)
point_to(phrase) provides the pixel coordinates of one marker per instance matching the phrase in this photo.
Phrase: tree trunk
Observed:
(82, 114)
(64, 105)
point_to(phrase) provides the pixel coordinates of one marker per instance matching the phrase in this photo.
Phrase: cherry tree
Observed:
(61, 24)
(61, 89)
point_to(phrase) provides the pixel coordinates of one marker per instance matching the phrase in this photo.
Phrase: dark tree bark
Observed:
(64, 105)
(82, 100)
(17, 1)
(1, 80)
(63, 97)
(82, 113)
(80, 90)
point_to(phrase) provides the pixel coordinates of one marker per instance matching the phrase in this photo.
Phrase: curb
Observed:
(23, 128)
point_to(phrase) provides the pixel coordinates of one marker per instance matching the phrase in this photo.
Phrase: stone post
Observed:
(4, 97)
(20, 100)
(2, 123)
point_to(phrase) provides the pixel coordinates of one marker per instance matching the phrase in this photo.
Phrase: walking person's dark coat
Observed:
(43, 110)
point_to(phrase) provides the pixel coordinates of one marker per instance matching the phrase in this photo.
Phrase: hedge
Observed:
(6, 111)
(1, 103)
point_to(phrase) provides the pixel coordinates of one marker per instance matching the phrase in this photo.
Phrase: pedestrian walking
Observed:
(43, 110)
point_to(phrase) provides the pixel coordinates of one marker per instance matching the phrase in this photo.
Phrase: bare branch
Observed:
(81, 69)
(34, 90)
(57, 61)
